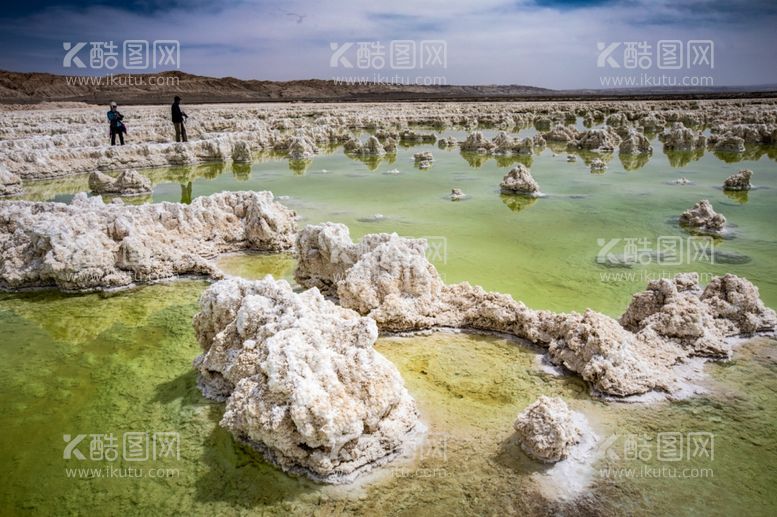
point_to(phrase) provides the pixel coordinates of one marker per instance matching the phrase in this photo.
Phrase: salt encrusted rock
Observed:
(635, 143)
(696, 320)
(241, 152)
(599, 140)
(372, 147)
(10, 183)
(423, 159)
(302, 147)
(703, 218)
(681, 181)
(520, 181)
(736, 303)
(389, 279)
(457, 194)
(730, 143)
(738, 181)
(128, 183)
(302, 381)
(614, 360)
(445, 143)
(546, 430)
(681, 138)
(562, 133)
(476, 142)
(571, 158)
(89, 245)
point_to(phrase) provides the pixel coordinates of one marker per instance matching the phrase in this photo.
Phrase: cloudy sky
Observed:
(548, 43)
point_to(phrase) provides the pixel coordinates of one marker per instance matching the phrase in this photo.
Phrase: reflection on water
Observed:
(516, 203)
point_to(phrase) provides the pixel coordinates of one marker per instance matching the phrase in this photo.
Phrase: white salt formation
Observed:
(701, 217)
(546, 430)
(738, 181)
(89, 245)
(389, 279)
(520, 181)
(10, 183)
(301, 380)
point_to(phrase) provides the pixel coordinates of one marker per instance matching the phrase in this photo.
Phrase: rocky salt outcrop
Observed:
(10, 183)
(457, 194)
(599, 140)
(372, 147)
(728, 143)
(241, 152)
(302, 147)
(520, 181)
(477, 143)
(546, 430)
(739, 181)
(682, 139)
(635, 143)
(703, 218)
(423, 160)
(699, 320)
(90, 245)
(128, 183)
(561, 133)
(301, 379)
(389, 279)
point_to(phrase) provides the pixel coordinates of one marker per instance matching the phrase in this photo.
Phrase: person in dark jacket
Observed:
(116, 125)
(178, 119)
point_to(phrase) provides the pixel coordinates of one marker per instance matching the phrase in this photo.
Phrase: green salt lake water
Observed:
(121, 363)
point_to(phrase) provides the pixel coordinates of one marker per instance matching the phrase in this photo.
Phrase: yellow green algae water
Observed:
(115, 365)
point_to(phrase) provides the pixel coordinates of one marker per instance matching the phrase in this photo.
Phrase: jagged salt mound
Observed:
(703, 218)
(302, 382)
(739, 181)
(90, 245)
(10, 183)
(389, 279)
(546, 430)
(520, 181)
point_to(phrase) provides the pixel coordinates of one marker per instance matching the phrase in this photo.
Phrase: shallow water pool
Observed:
(119, 365)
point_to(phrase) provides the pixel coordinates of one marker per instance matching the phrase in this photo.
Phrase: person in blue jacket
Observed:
(117, 127)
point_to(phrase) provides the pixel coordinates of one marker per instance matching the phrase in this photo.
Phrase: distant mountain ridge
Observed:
(20, 87)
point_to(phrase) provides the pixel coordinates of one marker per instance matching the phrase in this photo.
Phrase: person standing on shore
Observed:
(116, 125)
(178, 119)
